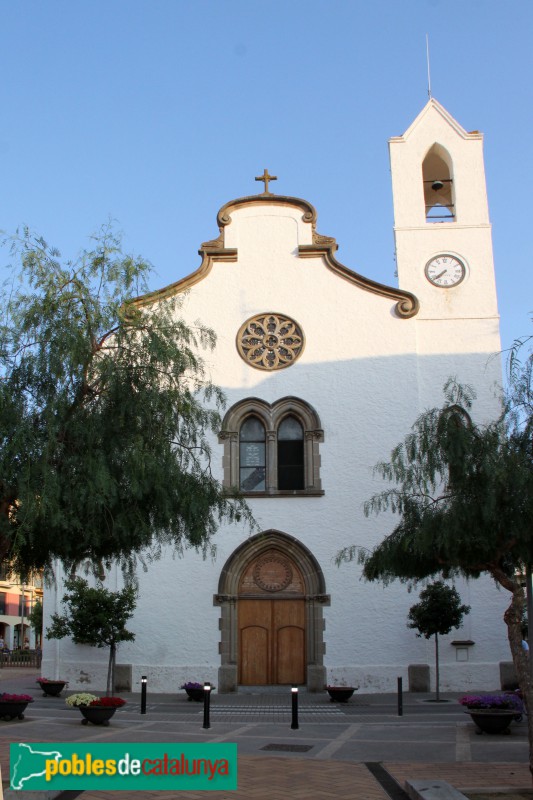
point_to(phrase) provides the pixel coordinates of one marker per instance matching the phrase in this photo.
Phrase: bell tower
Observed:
(443, 233)
(441, 217)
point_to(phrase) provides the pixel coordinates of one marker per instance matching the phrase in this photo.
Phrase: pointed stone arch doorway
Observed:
(271, 595)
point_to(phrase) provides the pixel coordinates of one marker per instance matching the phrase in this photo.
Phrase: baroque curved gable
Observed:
(215, 250)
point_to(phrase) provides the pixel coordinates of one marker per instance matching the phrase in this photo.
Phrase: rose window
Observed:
(270, 341)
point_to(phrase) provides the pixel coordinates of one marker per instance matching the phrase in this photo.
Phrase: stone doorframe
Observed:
(315, 600)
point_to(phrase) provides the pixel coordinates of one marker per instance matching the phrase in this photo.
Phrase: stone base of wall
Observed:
(316, 678)
(454, 677)
(508, 680)
(227, 679)
(123, 678)
(418, 677)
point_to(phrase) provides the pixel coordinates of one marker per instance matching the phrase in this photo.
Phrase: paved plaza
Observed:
(362, 749)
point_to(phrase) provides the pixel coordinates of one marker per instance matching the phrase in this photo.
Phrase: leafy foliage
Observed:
(95, 616)
(464, 496)
(35, 618)
(104, 413)
(520, 396)
(439, 610)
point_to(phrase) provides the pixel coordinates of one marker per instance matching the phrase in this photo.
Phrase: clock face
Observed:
(445, 271)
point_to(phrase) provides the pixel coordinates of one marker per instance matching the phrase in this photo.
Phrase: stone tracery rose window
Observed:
(270, 341)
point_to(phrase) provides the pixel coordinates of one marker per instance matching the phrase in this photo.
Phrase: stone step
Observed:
(432, 790)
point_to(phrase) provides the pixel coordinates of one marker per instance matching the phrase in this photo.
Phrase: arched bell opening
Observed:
(439, 195)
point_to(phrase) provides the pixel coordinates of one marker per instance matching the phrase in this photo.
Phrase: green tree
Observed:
(520, 392)
(439, 610)
(464, 497)
(97, 617)
(35, 618)
(105, 410)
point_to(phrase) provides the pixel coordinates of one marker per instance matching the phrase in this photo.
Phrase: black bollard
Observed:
(143, 694)
(400, 698)
(294, 723)
(207, 699)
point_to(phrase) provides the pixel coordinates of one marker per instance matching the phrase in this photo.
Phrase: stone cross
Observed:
(265, 177)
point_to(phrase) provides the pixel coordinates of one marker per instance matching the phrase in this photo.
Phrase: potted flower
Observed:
(97, 710)
(195, 691)
(50, 687)
(492, 713)
(13, 705)
(340, 693)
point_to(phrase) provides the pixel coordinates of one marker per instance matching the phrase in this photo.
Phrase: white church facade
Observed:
(324, 371)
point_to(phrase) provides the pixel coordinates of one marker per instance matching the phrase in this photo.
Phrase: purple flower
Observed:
(497, 701)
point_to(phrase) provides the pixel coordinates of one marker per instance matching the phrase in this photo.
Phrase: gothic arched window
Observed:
(252, 451)
(272, 450)
(290, 454)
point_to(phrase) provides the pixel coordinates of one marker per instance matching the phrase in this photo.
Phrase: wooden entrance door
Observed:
(271, 642)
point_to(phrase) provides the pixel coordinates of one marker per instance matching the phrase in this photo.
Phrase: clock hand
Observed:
(444, 271)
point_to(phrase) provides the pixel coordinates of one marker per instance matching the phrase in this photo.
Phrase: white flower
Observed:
(80, 699)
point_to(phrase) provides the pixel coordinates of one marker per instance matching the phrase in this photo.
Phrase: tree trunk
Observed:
(111, 670)
(513, 618)
(437, 676)
(7, 505)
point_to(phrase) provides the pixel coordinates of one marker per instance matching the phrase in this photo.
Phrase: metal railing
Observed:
(20, 658)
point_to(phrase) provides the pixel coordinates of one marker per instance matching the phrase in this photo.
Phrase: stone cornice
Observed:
(224, 215)
(433, 106)
(212, 251)
(443, 226)
(407, 304)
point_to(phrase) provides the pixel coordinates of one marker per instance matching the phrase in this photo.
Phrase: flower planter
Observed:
(195, 690)
(98, 715)
(492, 720)
(340, 694)
(195, 694)
(13, 709)
(52, 688)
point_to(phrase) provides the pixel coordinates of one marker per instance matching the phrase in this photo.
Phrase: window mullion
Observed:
(309, 466)
(234, 461)
(272, 461)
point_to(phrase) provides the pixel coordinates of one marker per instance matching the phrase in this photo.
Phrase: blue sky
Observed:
(157, 112)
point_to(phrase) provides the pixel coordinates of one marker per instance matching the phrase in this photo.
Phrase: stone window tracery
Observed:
(270, 341)
(272, 450)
